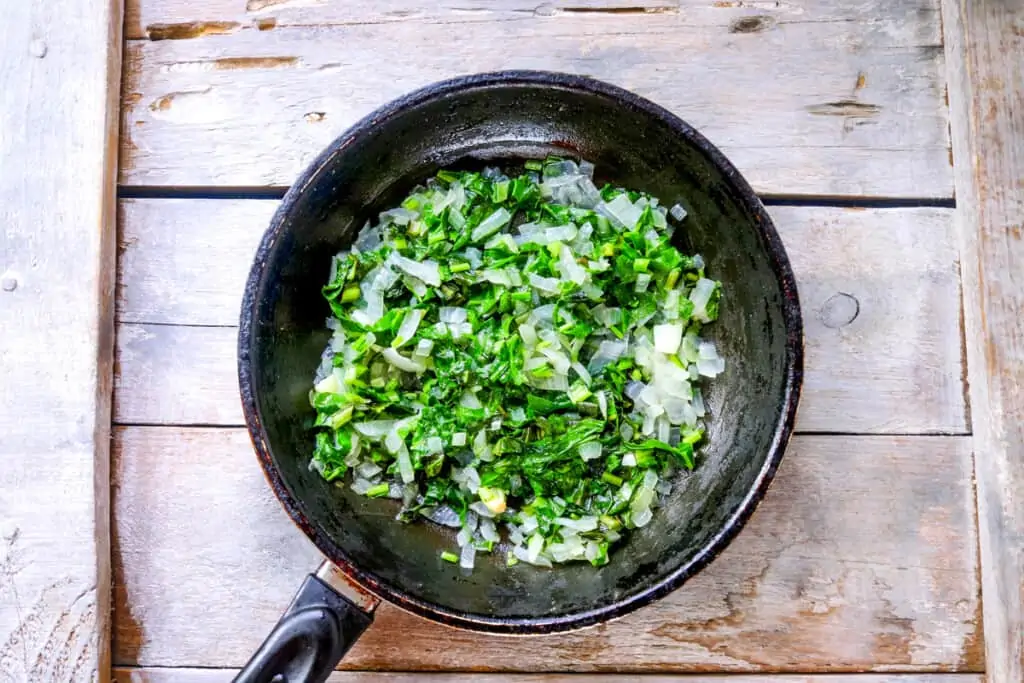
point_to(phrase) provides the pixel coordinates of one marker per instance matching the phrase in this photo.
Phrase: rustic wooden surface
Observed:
(862, 557)
(852, 93)
(59, 75)
(894, 368)
(986, 48)
(126, 675)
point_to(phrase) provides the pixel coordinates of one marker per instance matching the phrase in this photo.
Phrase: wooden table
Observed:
(898, 506)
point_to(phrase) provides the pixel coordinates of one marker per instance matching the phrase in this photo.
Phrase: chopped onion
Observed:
(643, 281)
(452, 314)
(607, 352)
(488, 531)
(710, 367)
(361, 486)
(435, 444)
(405, 465)
(393, 442)
(700, 296)
(445, 516)
(481, 509)
(369, 470)
(492, 224)
(667, 337)
(677, 212)
(629, 459)
(568, 267)
(468, 556)
(470, 400)
(634, 389)
(545, 285)
(459, 439)
(582, 372)
(588, 523)
(407, 330)
(533, 547)
(623, 211)
(375, 429)
(425, 270)
(602, 403)
(590, 450)
(401, 362)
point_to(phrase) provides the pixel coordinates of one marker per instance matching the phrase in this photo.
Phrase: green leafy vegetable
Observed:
(517, 356)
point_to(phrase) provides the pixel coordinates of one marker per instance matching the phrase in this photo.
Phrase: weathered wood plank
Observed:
(868, 119)
(986, 59)
(894, 368)
(133, 675)
(59, 84)
(861, 557)
(184, 19)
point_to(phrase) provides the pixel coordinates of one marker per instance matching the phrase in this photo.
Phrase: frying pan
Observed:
(502, 118)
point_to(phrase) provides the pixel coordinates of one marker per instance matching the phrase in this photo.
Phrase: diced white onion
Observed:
(467, 558)
(700, 296)
(582, 372)
(588, 523)
(677, 212)
(452, 314)
(590, 450)
(369, 470)
(405, 465)
(492, 224)
(629, 459)
(374, 429)
(459, 439)
(667, 337)
(426, 270)
(407, 330)
(445, 516)
(545, 285)
(470, 400)
(401, 362)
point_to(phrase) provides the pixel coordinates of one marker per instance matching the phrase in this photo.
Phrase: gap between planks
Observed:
(183, 675)
(894, 367)
(985, 52)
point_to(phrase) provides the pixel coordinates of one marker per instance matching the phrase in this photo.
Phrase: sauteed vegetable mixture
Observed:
(517, 356)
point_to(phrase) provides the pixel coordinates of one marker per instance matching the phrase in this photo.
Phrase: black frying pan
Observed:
(502, 118)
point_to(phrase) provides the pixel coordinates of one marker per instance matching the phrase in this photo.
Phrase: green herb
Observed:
(520, 354)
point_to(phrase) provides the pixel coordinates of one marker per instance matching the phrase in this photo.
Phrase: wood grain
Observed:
(164, 19)
(986, 58)
(133, 675)
(868, 119)
(59, 81)
(861, 557)
(894, 368)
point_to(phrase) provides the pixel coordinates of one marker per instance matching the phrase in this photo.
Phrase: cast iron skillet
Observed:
(502, 118)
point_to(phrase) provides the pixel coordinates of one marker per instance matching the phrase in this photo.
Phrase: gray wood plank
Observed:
(59, 76)
(896, 367)
(861, 557)
(986, 59)
(256, 106)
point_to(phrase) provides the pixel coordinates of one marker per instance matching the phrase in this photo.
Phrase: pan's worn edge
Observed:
(985, 53)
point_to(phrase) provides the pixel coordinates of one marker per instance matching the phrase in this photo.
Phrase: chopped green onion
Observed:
(516, 353)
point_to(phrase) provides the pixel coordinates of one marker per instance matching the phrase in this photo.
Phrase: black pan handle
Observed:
(324, 620)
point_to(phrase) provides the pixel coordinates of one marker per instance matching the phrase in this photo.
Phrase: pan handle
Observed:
(324, 620)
